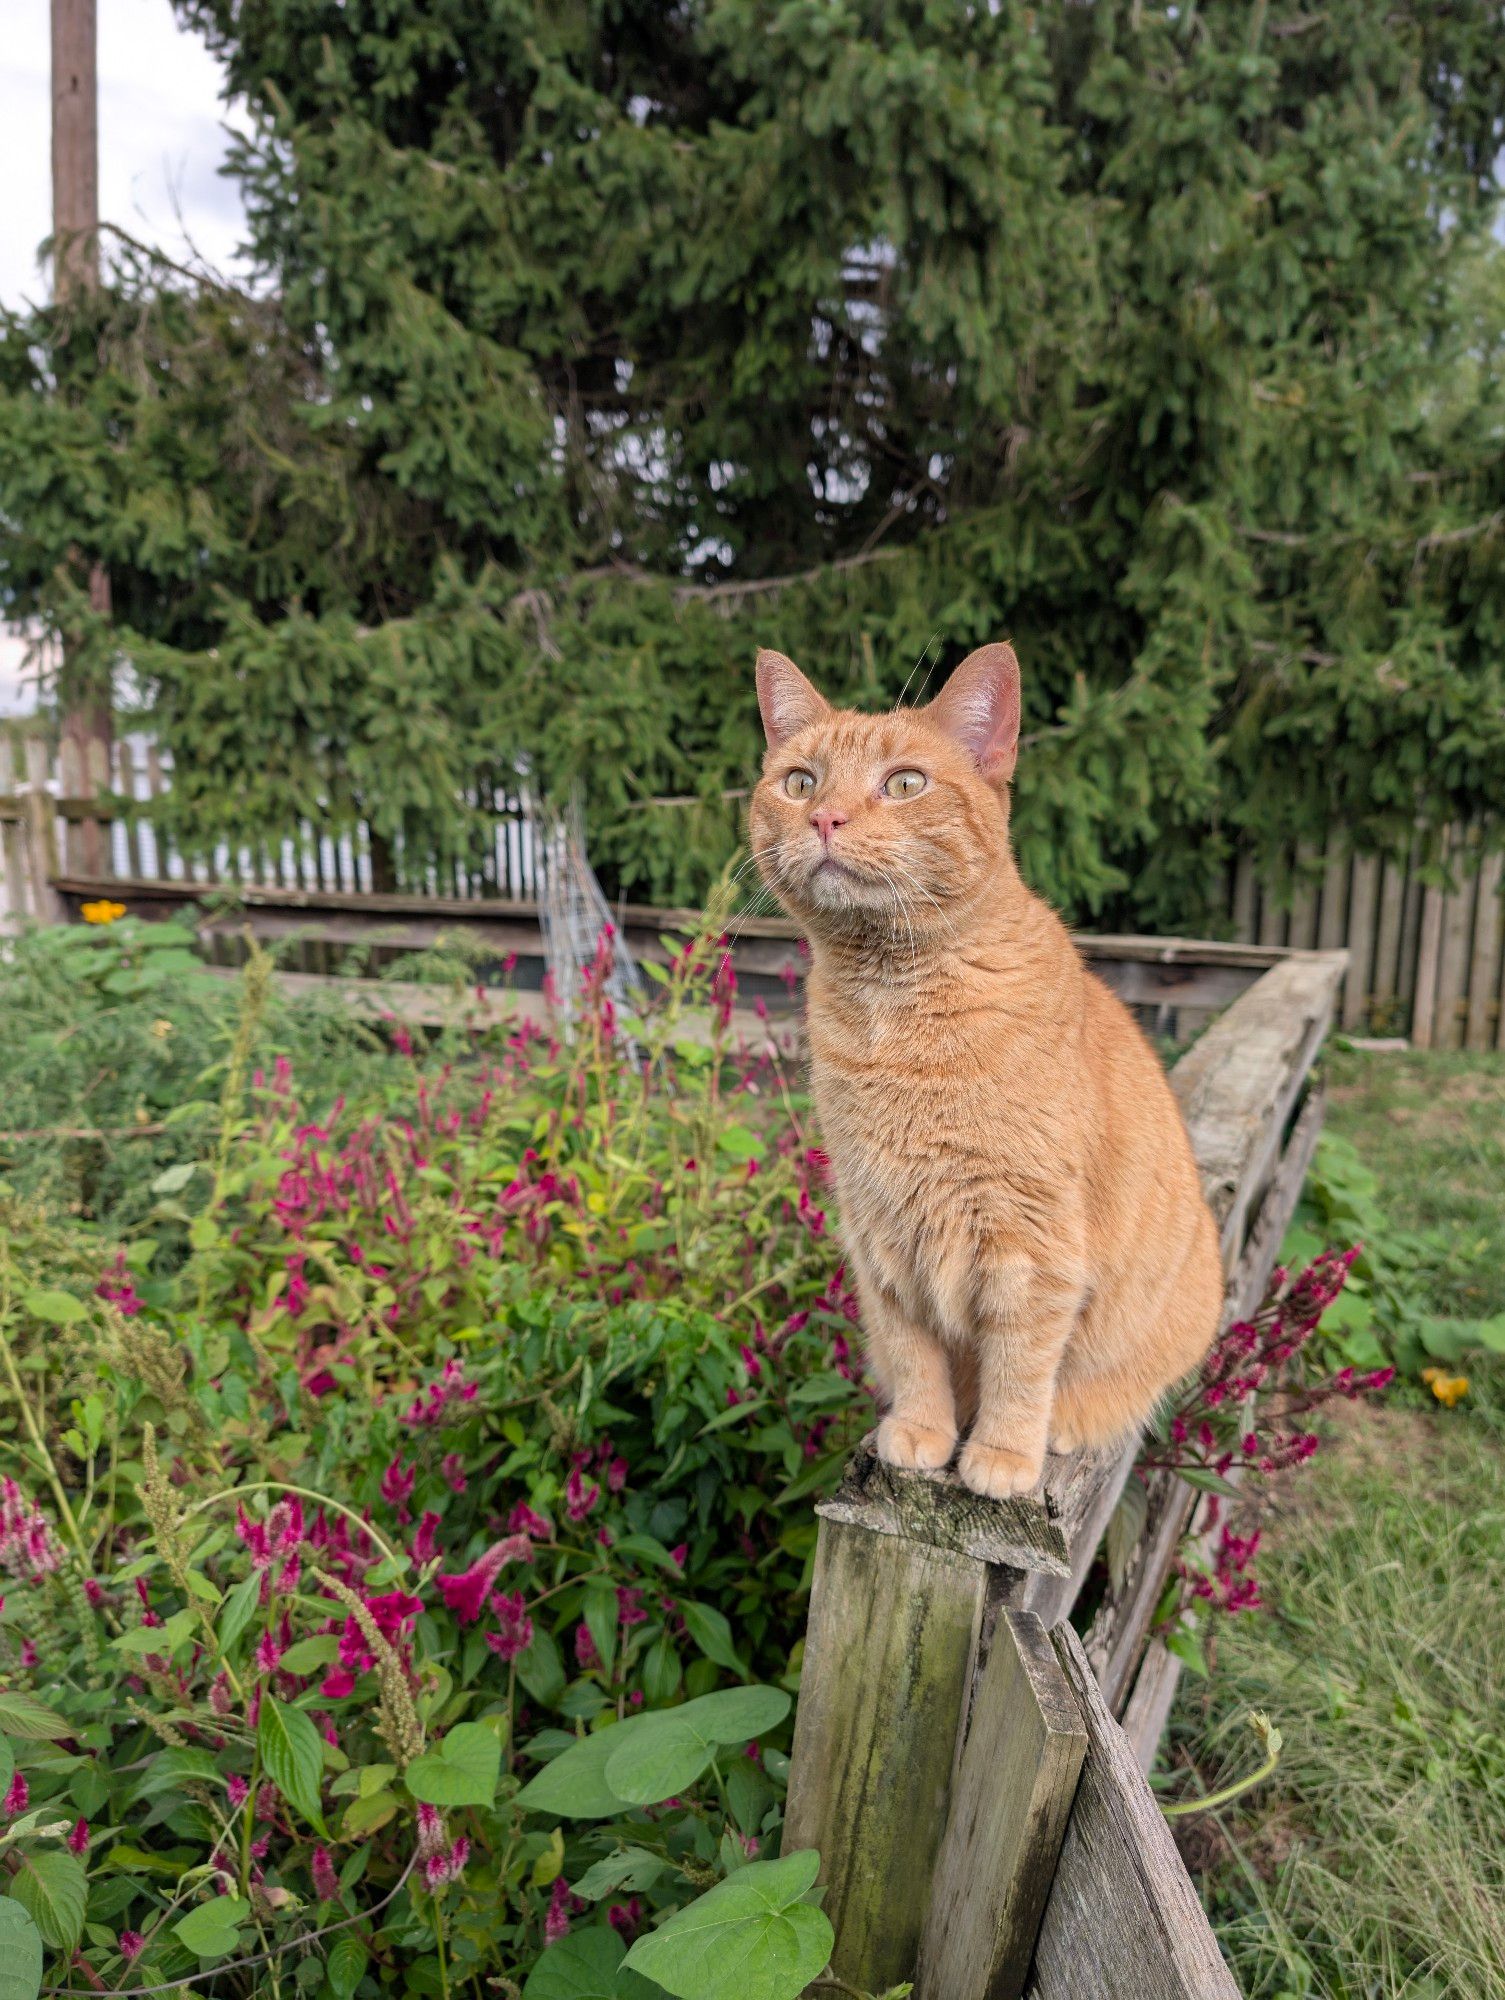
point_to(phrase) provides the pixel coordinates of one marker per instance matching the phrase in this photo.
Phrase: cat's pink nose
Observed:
(825, 822)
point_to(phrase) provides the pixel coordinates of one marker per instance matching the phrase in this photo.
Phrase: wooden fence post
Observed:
(889, 1653)
(1015, 1783)
(41, 835)
(1123, 1921)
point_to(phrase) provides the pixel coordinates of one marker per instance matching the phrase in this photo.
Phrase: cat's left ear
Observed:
(979, 707)
(787, 700)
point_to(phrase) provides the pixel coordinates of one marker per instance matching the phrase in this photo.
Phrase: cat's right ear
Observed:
(786, 699)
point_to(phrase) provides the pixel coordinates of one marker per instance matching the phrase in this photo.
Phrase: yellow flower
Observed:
(162, 1029)
(102, 913)
(1448, 1389)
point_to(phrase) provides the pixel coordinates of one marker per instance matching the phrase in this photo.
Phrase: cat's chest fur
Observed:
(947, 1133)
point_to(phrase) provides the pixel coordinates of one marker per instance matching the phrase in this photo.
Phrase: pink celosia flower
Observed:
(523, 1521)
(578, 1497)
(624, 1918)
(237, 1791)
(516, 1633)
(556, 1921)
(466, 1593)
(443, 1400)
(28, 1547)
(397, 1484)
(448, 1867)
(118, 1287)
(326, 1881)
(426, 1539)
(585, 1646)
(452, 1466)
(431, 1834)
(130, 1945)
(17, 1798)
(78, 1838)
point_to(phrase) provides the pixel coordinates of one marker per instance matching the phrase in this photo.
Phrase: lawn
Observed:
(1373, 1864)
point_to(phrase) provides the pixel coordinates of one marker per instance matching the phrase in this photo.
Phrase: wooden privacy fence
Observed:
(971, 1770)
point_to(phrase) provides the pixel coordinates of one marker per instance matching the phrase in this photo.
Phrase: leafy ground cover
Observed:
(409, 1449)
(1372, 1867)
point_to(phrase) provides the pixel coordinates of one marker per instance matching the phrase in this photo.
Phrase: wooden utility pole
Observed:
(85, 702)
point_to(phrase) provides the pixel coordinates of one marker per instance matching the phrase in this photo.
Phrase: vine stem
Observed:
(1227, 1792)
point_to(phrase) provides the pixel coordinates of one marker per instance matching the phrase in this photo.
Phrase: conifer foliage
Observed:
(594, 345)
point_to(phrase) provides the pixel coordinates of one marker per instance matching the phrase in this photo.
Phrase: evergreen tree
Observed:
(594, 345)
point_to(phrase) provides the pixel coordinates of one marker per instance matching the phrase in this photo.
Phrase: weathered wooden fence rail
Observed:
(939, 1737)
(1422, 957)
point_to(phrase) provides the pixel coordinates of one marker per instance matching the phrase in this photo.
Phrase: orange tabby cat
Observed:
(1034, 1259)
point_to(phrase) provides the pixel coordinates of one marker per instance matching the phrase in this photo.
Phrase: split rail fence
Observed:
(1423, 959)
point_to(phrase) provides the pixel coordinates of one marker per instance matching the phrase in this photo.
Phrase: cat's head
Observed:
(899, 819)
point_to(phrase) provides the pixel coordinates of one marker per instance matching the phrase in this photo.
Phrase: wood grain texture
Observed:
(1428, 952)
(1238, 1085)
(889, 1658)
(936, 1509)
(1484, 973)
(1010, 1802)
(1363, 901)
(1151, 1699)
(1452, 959)
(1123, 1921)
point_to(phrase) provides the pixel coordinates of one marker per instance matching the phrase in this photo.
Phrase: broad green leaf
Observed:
(1490, 1333)
(7, 1764)
(240, 1606)
(53, 1886)
(737, 1715)
(600, 1610)
(751, 1937)
(30, 1720)
(163, 1639)
(169, 1769)
(540, 1668)
(712, 1634)
(587, 1965)
(463, 1771)
(364, 1815)
(660, 1670)
(292, 1755)
(646, 1548)
(345, 1966)
(651, 1757)
(633, 1869)
(20, 1952)
(308, 1655)
(212, 1929)
(57, 1308)
(660, 1762)
(574, 1784)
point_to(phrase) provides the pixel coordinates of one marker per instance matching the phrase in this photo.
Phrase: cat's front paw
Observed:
(995, 1473)
(914, 1447)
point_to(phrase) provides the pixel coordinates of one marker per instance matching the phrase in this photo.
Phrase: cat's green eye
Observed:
(905, 784)
(799, 784)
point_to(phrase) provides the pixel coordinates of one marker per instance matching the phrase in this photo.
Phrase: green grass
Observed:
(1372, 1866)
(1433, 1128)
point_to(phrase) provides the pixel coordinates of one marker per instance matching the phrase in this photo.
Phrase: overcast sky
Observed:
(162, 139)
